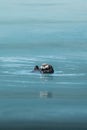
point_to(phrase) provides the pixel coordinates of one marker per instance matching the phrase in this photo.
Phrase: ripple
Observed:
(72, 74)
(18, 59)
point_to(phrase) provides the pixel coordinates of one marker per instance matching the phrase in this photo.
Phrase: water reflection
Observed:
(46, 77)
(45, 94)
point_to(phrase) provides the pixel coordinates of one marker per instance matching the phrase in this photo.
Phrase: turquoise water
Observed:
(36, 32)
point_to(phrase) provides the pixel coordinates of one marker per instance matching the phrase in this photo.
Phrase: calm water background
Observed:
(36, 32)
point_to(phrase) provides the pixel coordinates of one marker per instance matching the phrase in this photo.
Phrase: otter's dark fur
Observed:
(44, 68)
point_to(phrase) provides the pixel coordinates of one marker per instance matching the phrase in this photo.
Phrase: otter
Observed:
(44, 68)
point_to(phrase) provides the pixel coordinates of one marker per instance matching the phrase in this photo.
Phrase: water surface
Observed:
(36, 32)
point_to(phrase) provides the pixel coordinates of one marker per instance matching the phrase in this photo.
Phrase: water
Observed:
(36, 32)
